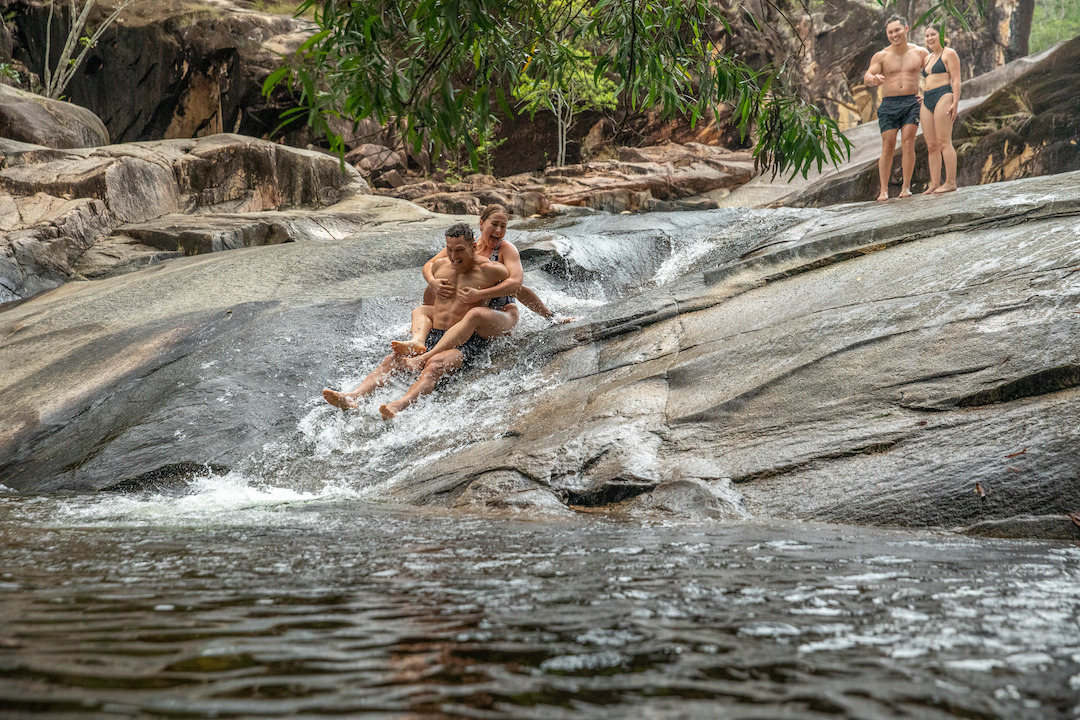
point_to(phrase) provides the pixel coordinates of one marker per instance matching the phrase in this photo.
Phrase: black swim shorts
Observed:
(897, 111)
(472, 348)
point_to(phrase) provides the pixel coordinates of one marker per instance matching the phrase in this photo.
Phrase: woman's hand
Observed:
(442, 287)
(469, 296)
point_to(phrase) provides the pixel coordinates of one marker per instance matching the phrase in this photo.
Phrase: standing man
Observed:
(463, 270)
(896, 70)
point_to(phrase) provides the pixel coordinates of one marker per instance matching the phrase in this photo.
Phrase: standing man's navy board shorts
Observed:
(897, 111)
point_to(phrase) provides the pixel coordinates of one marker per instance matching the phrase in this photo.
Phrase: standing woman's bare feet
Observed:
(947, 187)
(930, 189)
(905, 193)
(884, 196)
(339, 399)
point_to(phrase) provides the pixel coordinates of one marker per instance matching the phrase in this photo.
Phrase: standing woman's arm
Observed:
(952, 64)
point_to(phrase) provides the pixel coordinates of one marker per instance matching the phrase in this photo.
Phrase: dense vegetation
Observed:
(1054, 21)
(437, 70)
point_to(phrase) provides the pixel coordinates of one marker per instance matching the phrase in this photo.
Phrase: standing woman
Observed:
(941, 98)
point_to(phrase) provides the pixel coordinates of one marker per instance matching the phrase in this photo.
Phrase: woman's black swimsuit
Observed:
(934, 70)
(500, 302)
(930, 97)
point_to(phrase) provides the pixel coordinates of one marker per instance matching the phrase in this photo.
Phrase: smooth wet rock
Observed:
(905, 365)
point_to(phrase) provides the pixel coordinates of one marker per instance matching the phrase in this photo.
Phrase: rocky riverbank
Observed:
(911, 364)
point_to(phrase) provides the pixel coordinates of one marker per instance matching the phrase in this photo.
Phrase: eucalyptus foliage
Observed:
(435, 69)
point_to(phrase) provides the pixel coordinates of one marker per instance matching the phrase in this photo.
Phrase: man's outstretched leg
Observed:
(884, 165)
(390, 366)
(421, 326)
(437, 367)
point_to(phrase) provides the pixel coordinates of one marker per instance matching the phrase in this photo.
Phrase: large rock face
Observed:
(30, 118)
(907, 364)
(71, 214)
(173, 69)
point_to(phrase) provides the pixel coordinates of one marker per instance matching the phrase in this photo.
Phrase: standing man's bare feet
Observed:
(905, 193)
(339, 399)
(884, 196)
(947, 187)
(408, 348)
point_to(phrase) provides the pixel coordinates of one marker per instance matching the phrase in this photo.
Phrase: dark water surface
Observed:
(270, 606)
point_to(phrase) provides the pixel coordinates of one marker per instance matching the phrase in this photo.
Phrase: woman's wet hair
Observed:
(491, 210)
(460, 230)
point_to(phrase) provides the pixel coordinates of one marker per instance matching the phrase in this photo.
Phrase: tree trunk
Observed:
(1021, 30)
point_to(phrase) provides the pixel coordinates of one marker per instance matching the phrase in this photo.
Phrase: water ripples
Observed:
(333, 607)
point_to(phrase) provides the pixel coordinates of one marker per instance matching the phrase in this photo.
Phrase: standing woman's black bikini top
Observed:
(934, 70)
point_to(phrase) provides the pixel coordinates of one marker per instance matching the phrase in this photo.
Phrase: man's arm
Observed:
(874, 76)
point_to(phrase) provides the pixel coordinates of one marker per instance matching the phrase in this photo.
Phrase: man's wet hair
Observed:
(895, 18)
(460, 230)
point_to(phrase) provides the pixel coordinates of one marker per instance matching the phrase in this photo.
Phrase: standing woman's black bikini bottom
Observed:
(930, 97)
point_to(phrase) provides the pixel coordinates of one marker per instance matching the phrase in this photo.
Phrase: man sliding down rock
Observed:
(463, 269)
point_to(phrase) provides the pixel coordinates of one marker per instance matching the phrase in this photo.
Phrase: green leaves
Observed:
(432, 68)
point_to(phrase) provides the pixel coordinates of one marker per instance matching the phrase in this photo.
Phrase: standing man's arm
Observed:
(952, 64)
(874, 76)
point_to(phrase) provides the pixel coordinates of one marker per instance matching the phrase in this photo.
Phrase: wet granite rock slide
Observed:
(913, 364)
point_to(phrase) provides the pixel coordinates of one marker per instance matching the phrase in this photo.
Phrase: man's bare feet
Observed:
(418, 363)
(389, 410)
(884, 196)
(339, 399)
(408, 348)
(905, 193)
(947, 187)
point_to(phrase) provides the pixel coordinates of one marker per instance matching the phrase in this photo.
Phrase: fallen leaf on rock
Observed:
(979, 490)
(1013, 469)
(1005, 359)
(1075, 517)
(921, 423)
(1017, 454)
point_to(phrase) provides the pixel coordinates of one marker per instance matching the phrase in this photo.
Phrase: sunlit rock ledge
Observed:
(907, 364)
